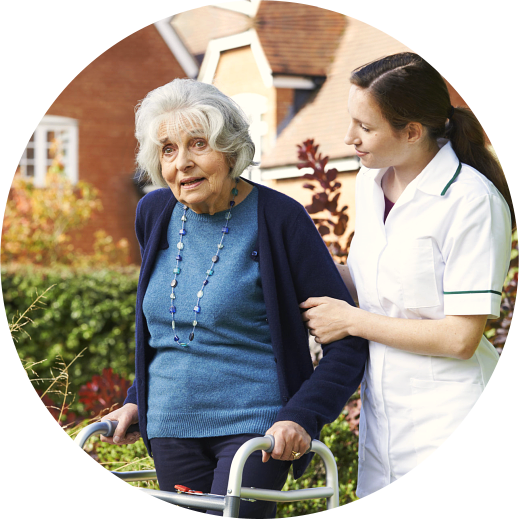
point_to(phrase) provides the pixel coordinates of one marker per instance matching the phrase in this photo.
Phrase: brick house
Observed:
(94, 119)
(286, 64)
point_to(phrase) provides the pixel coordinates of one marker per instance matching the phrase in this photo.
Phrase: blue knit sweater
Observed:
(294, 265)
(197, 391)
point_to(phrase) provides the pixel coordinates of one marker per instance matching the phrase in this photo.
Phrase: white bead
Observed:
(195, 323)
(173, 325)
(180, 245)
(200, 294)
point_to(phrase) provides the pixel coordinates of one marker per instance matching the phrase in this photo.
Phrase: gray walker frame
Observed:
(230, 503)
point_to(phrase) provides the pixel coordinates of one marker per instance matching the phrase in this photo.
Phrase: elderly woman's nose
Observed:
(184, 160)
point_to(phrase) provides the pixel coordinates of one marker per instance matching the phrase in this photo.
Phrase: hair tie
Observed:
(451, 112)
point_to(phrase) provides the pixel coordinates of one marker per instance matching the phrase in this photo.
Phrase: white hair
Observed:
(193, 107)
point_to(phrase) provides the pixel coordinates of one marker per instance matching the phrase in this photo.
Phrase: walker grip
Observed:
(272, 442)
(134, 427)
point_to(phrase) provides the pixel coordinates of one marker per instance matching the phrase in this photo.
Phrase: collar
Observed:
(436, 178)
(441, 172)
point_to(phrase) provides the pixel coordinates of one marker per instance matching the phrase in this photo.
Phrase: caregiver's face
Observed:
(376, 142)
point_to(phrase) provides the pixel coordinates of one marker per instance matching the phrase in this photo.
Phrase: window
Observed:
(54, 132)
(254, 106)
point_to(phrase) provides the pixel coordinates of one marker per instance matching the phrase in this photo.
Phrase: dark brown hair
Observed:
(408, 89)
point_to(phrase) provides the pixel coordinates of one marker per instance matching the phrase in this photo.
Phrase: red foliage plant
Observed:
(104, 392)
(326, 200)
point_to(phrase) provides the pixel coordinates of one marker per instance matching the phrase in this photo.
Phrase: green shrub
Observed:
(92, 309)
(338, 437)
(120, 458)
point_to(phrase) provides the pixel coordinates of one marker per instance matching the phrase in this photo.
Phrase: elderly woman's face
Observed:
(197, 175)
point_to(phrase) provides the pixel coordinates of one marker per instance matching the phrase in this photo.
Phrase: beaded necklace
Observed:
(209, 273)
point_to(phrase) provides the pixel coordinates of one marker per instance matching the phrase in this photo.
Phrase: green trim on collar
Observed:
(474, 292)
(452, 179)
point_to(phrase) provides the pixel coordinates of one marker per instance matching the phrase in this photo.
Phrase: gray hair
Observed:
(192, 106)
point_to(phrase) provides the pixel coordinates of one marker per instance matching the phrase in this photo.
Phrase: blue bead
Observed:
(176, 338)
(197, 309)
(210, 272)
(182, 232)
(172, 310)
(225, 230)
(205, 282)
(178, 258)
(191, 336)
(231, 203)
(234, 191)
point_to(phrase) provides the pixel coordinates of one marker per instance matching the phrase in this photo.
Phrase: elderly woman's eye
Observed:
(200, 143)
(167, 150)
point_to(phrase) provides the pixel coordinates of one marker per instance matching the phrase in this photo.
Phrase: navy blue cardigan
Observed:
(294, 265)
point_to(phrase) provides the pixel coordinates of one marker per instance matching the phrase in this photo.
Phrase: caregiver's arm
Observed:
(454, 336)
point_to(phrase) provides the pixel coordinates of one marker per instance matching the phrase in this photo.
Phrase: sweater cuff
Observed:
(131, 397)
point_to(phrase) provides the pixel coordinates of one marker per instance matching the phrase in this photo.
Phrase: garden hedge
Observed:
(92, 309)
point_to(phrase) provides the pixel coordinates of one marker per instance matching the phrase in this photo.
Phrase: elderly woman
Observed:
(221, 350)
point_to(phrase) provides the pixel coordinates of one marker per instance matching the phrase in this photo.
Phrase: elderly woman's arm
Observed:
(321, 397)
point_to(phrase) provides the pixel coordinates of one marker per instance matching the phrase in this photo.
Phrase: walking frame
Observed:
(230, 503)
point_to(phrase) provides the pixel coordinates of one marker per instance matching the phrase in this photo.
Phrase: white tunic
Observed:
(444, 250)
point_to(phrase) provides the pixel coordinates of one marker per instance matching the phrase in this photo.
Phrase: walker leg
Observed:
(232, 506)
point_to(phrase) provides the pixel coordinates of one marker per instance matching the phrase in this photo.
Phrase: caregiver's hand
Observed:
(328, 319)
(289, 437)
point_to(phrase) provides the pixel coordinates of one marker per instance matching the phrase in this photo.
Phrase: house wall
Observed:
(102, 98)
(293, 187)
(238, 73)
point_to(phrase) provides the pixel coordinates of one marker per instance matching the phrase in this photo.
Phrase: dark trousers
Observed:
(204, 463)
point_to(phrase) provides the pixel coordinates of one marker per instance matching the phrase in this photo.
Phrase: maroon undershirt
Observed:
(388, 206)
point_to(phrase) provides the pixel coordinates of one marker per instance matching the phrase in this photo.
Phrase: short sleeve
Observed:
(477, 257)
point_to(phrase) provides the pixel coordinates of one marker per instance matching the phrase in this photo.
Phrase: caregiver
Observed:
(428, 259)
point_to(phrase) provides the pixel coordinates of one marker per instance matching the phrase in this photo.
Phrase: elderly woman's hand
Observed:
(126, 416)
(290, 438)
(328, 319)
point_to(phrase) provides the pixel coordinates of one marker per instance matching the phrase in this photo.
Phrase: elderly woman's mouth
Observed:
(190, 183)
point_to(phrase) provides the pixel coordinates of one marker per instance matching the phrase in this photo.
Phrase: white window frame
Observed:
(52, 123)
(254, 106)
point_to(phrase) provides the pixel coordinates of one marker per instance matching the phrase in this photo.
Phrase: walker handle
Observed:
(134, 427)
(273, 443)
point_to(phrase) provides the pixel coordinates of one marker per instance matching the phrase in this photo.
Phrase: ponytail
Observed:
(469, 143)
(408, 89)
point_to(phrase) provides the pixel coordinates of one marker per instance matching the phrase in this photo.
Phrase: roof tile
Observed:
(326, 119)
